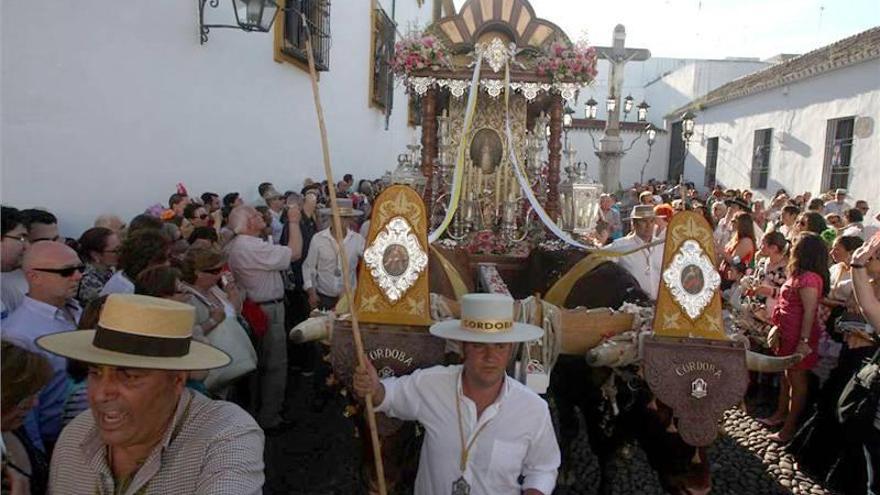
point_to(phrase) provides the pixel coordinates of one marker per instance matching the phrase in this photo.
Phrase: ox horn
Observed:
(770, 364)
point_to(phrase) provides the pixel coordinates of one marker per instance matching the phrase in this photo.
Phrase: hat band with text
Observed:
(140, 345)
(487, 326)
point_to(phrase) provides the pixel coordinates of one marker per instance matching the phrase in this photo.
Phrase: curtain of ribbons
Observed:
(458, 173)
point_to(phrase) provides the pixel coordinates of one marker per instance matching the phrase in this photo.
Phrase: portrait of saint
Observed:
(692, 279)
(486, 150)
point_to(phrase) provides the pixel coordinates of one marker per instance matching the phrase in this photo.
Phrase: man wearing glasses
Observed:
(53, 272)
(13, 244)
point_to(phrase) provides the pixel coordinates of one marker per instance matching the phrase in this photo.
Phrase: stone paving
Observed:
(321, 455)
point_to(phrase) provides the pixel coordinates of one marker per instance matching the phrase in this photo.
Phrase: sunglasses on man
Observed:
(213, 271)
(23, 238)
(64, 272)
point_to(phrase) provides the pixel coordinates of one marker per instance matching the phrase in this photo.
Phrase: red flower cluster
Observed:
(568, 63)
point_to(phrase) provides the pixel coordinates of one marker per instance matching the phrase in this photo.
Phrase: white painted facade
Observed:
(798, 114)
(106, 107)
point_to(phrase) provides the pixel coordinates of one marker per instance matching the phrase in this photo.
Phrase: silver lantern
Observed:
(409, 170)
(579, 198)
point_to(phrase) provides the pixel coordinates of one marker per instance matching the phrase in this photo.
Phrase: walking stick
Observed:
(339, 234)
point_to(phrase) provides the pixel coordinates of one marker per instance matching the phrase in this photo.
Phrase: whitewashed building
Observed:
(807, 124)
(106, 106)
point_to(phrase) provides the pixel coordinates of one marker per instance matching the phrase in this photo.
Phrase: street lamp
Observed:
(642, 112)
(590, 108)
(687, 126)
(250, 15)
(610, 104)
(651, 132)
(567, 119)
(627, 106)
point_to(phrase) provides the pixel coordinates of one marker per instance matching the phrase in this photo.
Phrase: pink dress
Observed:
(788, 315)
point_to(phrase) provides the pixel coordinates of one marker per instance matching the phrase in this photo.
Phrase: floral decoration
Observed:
(568, 63)
(416, 52)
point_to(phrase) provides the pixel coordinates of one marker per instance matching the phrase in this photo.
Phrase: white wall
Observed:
(106, 107)
(798, 114)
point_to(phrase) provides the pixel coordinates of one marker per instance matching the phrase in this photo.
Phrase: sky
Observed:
(713, 28)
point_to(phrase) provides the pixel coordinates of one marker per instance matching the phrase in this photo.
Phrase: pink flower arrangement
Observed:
(416, 52)
(568, 63)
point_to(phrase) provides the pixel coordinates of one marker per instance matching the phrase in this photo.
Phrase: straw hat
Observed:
(486, 318)
(346, 209)
(738, 202)
(641, 211)
(139, 332)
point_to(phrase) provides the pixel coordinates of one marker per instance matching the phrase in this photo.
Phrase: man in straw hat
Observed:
(322, 269)
(484, 431)
(257, 267)
(644, 265)
(145, 432)
(839, 204)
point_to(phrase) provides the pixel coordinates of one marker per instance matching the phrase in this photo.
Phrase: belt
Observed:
(271, 301)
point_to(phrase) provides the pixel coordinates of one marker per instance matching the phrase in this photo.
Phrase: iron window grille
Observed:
(761, 158)
(711, 162)
(317, 18)
(382, 87)
(838, 153)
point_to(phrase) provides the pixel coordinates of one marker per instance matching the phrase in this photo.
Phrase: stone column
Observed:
(554, 156)
(429, 140)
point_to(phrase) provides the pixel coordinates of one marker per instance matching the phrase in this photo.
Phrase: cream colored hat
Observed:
(346, 208)
(139, 332)
(486, 318)
(641, 211)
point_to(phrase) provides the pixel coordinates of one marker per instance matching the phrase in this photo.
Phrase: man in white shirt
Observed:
(643, 265)
(853, 226)
(484, 431)
(838, 205)
(257, 267)
(53, 272)
(12, 248)
(275, 203)
(322, 269)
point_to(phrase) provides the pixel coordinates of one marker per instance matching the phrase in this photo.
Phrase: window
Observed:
(711, 162)
(382, 50)
(290, 33)
(761, 158)
(838, 153)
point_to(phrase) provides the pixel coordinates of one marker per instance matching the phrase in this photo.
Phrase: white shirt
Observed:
(257, 267)
(322, 268)
(118, 284)
(854, 230)
(644, 265)
(835, 207)
(277, 226)
(517, 440)
(13, 287)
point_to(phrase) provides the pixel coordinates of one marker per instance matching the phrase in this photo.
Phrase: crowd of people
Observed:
(191, 301)
(805, 272)
(245, 274)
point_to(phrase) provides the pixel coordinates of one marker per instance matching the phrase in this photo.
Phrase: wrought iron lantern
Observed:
(642, 111)
(250, 15)
(590, 108)
(627, 105)
(579, 197)
(610, 104)
(567, 119)
(651, 132)
(687, 125)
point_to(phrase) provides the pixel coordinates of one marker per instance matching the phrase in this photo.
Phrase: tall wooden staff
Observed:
(340, 236)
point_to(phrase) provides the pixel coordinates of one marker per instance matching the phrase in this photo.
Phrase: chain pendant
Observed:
(461, 487)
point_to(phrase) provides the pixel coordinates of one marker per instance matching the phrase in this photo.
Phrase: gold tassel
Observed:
(696, 458)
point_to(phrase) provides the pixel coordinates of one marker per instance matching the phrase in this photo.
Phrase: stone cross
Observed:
(611, 146)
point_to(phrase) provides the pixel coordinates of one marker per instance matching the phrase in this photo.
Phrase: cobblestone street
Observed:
(321, 455)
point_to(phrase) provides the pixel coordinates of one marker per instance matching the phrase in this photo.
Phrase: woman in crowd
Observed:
(203, 237)
(808, 221)
(740, 250)
(833, 220)
(759, 215)
(840, 290)
(217, 310)
(99, 250)
(25, 469)
(797, 328)
(770, 273)
(142, 249)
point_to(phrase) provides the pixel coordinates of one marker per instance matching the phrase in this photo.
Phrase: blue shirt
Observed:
(30, 321)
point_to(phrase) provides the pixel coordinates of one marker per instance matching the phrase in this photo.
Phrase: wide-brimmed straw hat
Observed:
(486, 318)
(137, 331)
(641, 211)
(346, 208)
(738, 202)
